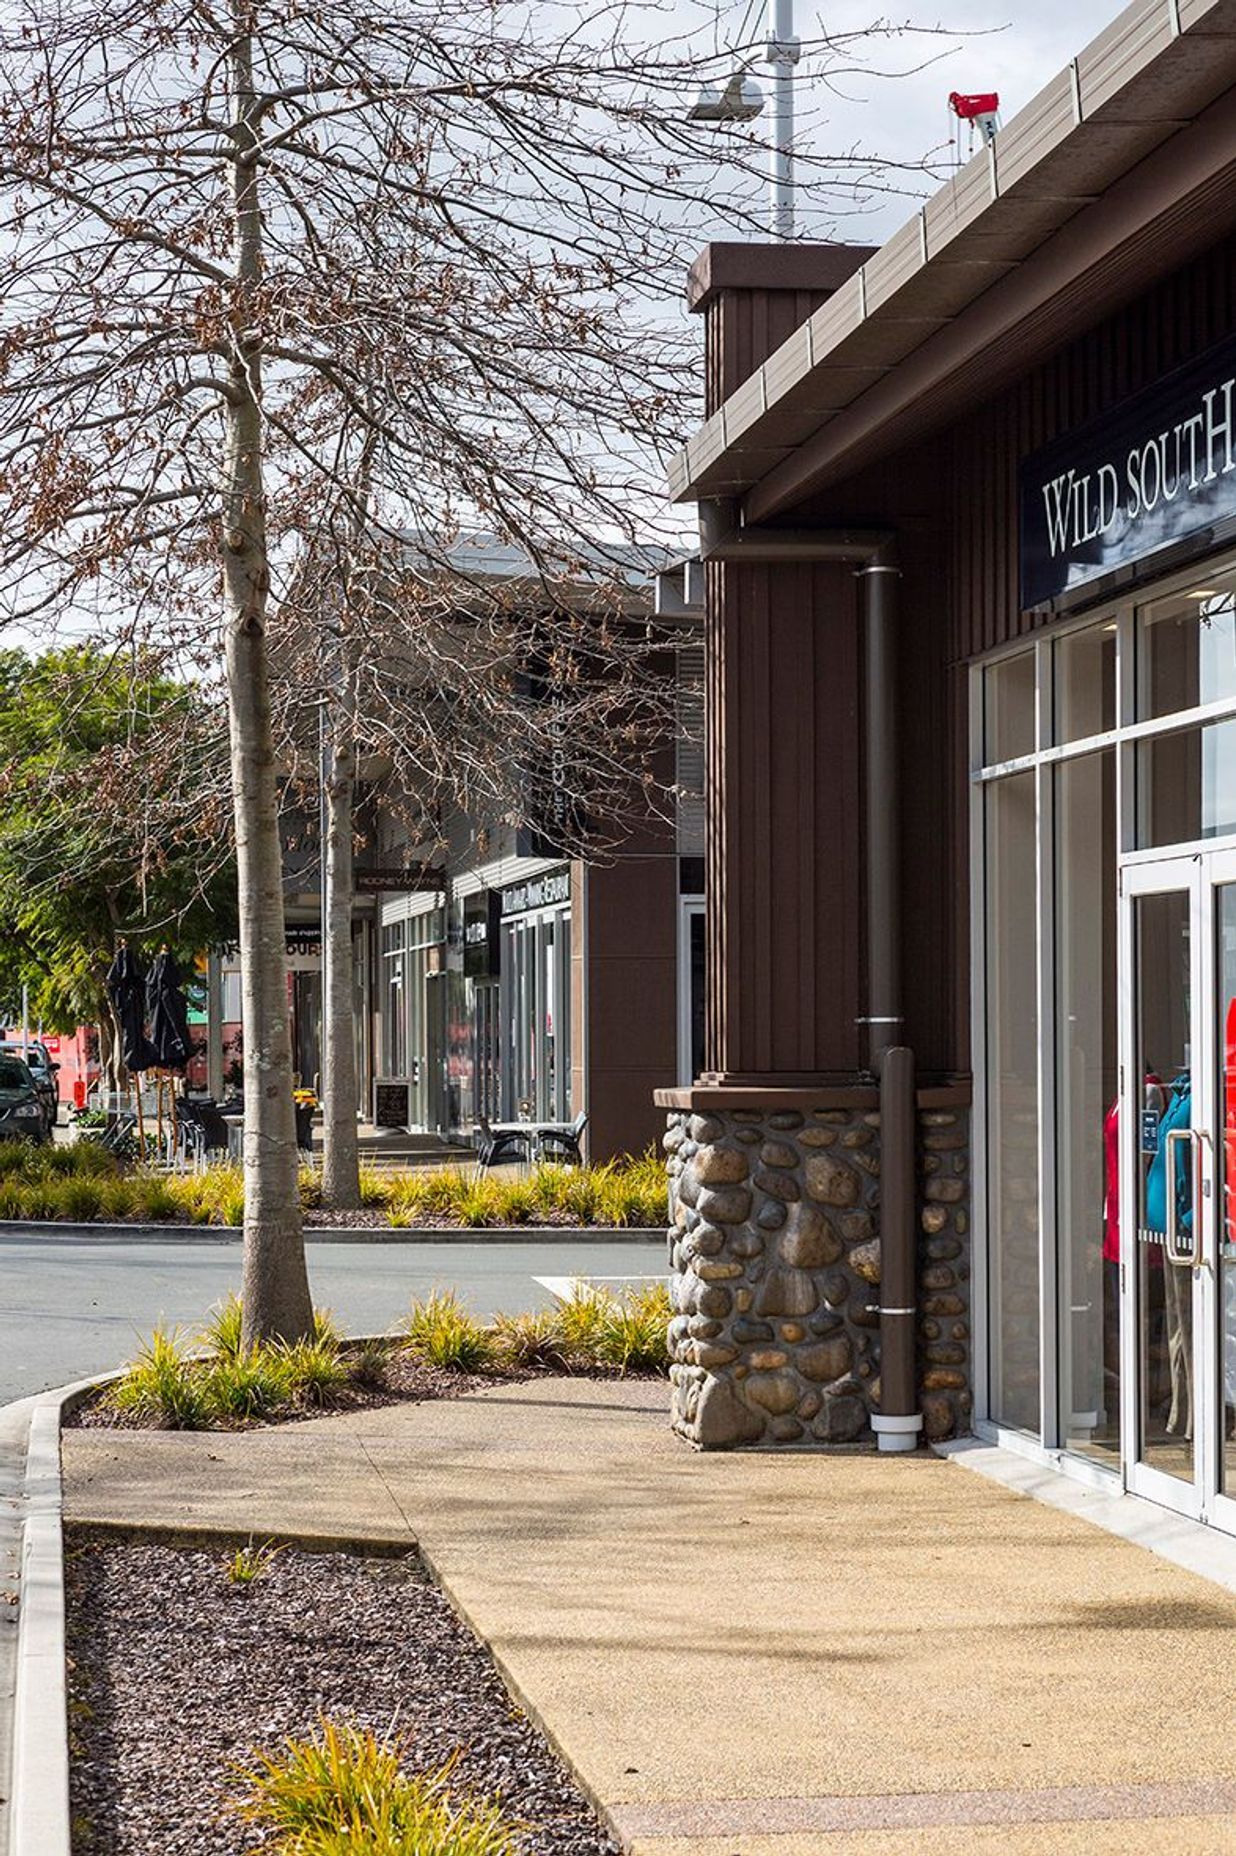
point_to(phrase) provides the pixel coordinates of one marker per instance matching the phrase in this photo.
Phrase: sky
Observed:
(1011, 46)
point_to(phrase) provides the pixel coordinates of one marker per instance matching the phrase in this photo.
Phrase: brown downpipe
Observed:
(898, 1421)
(723, 537)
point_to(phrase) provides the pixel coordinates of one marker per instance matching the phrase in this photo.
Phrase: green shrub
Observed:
(343, 1792)
(313, 1371)
(375, 1186)
(627, 1331)
(369, 1364)
(250, 1563)
(442, 1332)
(115, 1198)
(529, 1340)
(246, 1385)
(81, 1198)
(162, 1385)
(221, 1334)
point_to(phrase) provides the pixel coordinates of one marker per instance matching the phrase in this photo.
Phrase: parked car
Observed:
(37, 1059)
(23, 1116)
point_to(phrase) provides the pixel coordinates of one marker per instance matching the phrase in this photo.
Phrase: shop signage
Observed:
(391, 1102)
(395, 881)
(302, 940)
(480, 935)
(1158, 469)
(537, 892)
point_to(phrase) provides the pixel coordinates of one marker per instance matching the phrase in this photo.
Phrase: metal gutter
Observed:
(1155, 68)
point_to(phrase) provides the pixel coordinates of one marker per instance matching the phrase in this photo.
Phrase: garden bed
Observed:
(210, 1381)
(179, 1672)
(84, 1184)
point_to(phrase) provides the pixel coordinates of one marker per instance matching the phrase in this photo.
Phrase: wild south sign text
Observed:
(1158, 468)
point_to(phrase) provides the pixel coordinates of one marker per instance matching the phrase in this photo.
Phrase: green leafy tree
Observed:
(114, 823)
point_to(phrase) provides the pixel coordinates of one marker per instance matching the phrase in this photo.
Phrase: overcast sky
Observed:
(1011, 46)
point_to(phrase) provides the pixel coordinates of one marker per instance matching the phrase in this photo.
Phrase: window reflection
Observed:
(1186, 648)
(1086, 1091)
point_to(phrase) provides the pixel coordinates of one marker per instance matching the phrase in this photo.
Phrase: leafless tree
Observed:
(280, 268)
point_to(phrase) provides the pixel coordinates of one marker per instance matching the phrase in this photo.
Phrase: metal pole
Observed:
(782, 53)
(883, 815)
(25, 1019)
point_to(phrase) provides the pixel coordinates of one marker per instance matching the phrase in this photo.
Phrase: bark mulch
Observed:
(176, 1674)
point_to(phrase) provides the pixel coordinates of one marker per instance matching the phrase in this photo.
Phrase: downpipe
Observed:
(898, 1422)
(724, 537)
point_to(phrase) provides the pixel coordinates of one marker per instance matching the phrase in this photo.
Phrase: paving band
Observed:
(924, 1810)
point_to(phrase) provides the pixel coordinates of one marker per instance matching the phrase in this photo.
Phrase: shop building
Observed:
(962, 1153)
(522, 986)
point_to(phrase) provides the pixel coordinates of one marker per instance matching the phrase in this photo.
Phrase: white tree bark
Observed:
(275, 1285)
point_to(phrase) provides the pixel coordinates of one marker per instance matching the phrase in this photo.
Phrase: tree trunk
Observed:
(275, 1286)
(340, 1155)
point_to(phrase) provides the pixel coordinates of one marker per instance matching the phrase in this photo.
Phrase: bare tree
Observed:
(248, 242)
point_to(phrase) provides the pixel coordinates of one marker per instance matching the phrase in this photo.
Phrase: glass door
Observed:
(1177, 1157)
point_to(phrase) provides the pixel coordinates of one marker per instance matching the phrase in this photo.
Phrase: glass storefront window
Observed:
(1009, 709)
(1186, 648)
(1186, 785)
(1012, 1100)
(1084, 682)
(1087, 1142)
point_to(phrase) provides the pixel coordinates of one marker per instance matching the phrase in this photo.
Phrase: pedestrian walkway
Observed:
(762, 1655)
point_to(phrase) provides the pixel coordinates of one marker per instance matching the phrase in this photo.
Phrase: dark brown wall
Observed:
(632, 985)
(953, 501)
(783, 820)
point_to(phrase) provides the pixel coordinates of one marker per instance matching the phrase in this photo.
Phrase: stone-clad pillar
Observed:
(775, 1250)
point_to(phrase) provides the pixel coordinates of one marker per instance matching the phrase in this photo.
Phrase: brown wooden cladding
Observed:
(741, 330)
(783, 852)
(952, 499)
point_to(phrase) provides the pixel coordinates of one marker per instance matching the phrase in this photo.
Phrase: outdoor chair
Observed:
(561, 1145)
(511, 1146)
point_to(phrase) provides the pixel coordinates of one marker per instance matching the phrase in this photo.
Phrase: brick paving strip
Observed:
(1061, 1804)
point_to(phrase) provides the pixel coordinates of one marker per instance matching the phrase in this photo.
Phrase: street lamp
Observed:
(741, 100)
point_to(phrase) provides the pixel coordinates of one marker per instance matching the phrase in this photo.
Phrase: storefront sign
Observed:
(480, 935)
(396, 881)
(1158, 469)
(391, 1102)
(537, 892)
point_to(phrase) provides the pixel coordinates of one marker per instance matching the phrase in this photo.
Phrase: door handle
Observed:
(1184, 1258)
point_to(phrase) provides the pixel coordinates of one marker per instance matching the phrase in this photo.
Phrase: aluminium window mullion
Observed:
(1045, 945)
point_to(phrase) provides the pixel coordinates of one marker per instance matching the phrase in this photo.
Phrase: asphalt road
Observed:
(70, 1307)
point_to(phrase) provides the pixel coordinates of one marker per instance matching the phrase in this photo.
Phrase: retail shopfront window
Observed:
(1104, 835)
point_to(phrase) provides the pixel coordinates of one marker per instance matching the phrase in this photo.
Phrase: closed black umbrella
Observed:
(169, 1014)
(126, 988)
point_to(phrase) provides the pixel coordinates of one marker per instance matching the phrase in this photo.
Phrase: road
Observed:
(70, 1307)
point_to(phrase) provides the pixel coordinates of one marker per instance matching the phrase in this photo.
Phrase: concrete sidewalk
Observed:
(762, 1655)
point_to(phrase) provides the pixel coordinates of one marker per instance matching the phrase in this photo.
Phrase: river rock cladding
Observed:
(775, 1247)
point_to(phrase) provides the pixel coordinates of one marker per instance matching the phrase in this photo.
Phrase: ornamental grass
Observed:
(84, 1182)
(211, 1380)
(341, 1791)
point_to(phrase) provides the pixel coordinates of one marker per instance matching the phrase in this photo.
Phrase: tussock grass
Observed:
(250, 1563)
(341, 1791)
(441, 1332)
(84, 1182)
(213, 1380)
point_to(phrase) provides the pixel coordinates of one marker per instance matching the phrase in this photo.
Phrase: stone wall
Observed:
(775, 1247)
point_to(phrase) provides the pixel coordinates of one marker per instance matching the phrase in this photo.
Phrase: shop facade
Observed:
(964, 1144)
(528, 989)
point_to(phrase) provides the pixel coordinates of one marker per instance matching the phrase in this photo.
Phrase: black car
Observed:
(43, 1072)
(22, 1115)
